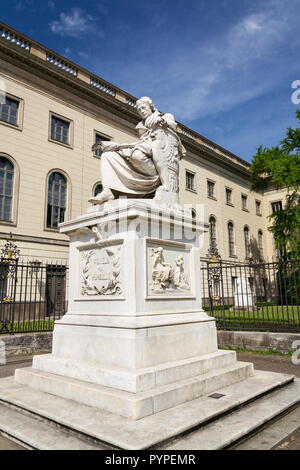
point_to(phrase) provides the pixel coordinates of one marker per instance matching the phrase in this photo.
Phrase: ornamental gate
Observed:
(32, 293)
(8, 285)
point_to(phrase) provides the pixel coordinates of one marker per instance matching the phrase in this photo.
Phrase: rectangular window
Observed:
(258, 207)
(60, 130)
(210, 189)
(9, 111)
(228, 196)
(100, 138)
(276, 206)
(190, 180)
(244, 202)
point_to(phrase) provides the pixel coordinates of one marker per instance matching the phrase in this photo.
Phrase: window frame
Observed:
(209, 181)
(231, 255)
(258, 212)
(15, 192)
(95, 186)
(247, 243)
(260, 237)
(276, 202)
(193, 174)
(246, 208)
(70, 133)
(68, 199)
(20, 113)
(106, 138)
(231, 200)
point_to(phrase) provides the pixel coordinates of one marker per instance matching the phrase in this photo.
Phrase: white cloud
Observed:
(75, 23)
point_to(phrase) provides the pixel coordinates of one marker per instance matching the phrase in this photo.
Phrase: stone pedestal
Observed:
(135, 340)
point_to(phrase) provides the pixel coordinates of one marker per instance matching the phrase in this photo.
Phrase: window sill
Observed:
(245, 210)
(229, 204)
(12, 126)
(191, 190)
(68, 146)
(212, 198)
(233, 256)
(259, 215)
(53, 230)
(11, 223)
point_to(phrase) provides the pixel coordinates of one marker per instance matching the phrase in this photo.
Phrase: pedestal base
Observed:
(140, 404)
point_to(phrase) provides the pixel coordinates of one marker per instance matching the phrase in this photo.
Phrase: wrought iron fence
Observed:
(32, 295)
(252, 296)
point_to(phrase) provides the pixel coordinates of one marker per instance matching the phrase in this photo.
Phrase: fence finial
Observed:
(10, 250)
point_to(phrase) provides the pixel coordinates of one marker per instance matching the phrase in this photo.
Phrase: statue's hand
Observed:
(97, 146)
(153, 120)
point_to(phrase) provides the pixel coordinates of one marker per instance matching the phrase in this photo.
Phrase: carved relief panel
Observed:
(169, 270)
(101, 273)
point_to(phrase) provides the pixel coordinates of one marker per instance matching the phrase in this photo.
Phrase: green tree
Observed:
(279, 167)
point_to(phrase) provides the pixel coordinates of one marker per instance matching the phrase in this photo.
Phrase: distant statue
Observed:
(162, 272)
(146, 168)
(180, 276)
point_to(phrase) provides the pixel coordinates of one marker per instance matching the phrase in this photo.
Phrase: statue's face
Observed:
(144, 110)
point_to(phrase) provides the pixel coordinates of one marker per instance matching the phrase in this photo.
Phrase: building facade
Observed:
(51, 113)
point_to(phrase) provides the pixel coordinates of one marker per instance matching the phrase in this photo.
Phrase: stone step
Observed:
(231, 428)
(274, 434)
(150, 432)
(135, 380)
(134, 405)
(31, 433)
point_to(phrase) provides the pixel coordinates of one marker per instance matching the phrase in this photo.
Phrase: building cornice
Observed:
(17, 49)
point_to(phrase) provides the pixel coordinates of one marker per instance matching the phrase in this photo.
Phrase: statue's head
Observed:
(145, 107)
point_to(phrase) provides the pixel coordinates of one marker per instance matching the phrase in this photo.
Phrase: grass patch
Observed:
(287, 314)
(34, 326)
(263, 352)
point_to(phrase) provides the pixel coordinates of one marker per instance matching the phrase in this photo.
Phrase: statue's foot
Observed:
(105, 195)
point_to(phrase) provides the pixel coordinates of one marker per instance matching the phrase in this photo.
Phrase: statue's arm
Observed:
(108, 146)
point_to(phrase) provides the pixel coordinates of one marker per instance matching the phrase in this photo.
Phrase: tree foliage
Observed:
(279, 167)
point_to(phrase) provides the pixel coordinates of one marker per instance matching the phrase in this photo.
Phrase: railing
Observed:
(131, 102)
(103, 87)
(61, 64)
(14, 39)
(32, 295)
(187, 134)
(252, 296)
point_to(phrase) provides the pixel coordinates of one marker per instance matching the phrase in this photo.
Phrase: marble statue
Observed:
(145, 168)
(243, 297)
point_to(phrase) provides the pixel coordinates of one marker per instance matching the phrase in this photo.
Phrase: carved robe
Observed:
(134, 170)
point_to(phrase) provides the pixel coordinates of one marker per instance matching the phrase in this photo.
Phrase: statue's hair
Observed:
(146, 99)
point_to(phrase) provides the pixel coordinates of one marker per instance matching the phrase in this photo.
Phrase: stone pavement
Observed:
(274, 363)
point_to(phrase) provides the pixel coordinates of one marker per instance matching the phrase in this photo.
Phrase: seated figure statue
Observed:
(146, 168)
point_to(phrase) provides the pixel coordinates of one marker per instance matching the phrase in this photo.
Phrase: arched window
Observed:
(231, 243)
(6, 188)
(247, 242)
(212, 232)
(98, 189)
(261, 244)
(57, 199)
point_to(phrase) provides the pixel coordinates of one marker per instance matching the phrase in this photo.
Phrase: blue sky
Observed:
(222, 67)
